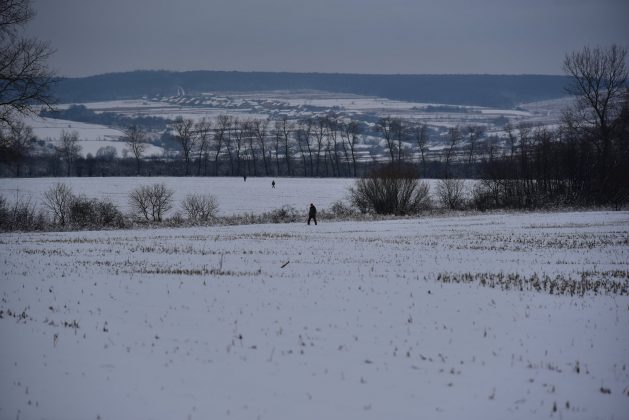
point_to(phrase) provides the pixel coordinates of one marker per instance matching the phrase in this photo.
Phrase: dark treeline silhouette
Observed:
(482, 90)
(321, 146)
(557, 168)
(586, 161)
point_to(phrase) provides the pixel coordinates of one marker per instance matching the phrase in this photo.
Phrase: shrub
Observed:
(58, 199)
(109, 214)
(341, 209)
(451, 193)
(84, 212)
(22, 215)
(81, 211)
(4, 212)
(489, 194)
(518, 194)
(200, 208)
(393, 189)
(285, 214)
(151, 202)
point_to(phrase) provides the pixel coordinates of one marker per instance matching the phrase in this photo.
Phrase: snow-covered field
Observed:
(234, 196)
(337, 321)
(91, 136)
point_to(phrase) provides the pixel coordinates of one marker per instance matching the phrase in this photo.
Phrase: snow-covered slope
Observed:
(91, 136)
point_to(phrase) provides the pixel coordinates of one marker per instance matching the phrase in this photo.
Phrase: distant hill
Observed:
(481, 90)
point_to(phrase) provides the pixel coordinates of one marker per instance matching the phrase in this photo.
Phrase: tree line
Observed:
(583, 162)
(319, 146)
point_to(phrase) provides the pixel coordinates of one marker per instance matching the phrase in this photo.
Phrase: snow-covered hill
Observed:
(91, 136)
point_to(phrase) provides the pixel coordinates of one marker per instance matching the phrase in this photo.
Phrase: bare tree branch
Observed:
(25, 79)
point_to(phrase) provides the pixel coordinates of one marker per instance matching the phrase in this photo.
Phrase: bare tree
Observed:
(350, 132)
(221, 132)
(302, 136)
(320, 134)
(286, 128)
(16, 144)
(385, 127)
(344, 144)
(184, 129)
(260, 133)
(599, 79)
(25, 79)
(454, 135)
(277, 142)
(250, 137)
(226, 123)
(106, 154)
(451, 193)
(420, 135)
(333, 131)
(399, 135)
(512, 140)
(200, 208)
(151, 202)
(238, 136)
(58, 199)
(69, 148)
(202, 131)
(136, 140)
(474, 133)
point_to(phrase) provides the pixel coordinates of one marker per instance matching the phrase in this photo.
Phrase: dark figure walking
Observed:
(312, 214)
(273, 184)
(245, 178)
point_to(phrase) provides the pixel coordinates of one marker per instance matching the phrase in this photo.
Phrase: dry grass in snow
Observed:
(350, 320)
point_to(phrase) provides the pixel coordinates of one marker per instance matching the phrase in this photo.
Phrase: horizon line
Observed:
(312, 73)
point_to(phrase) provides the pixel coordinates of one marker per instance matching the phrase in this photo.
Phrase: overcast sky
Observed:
(347, 36)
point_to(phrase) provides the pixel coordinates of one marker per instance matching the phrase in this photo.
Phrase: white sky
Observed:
(357, 36)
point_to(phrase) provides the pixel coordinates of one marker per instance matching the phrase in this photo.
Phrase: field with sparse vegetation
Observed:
(487, 316)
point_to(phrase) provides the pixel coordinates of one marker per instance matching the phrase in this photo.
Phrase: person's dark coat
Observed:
(312, 214)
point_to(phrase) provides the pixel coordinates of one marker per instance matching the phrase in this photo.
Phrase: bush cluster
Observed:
(69, 210)
(149, 204)
(21, 215)
(85, 212)
(200, 208)
(392, 189)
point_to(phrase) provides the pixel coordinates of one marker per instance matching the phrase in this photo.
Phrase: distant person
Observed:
(312, 214)
(273, 184)
(245, 178)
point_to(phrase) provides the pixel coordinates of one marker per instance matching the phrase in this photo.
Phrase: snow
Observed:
(205, 323)
(263, 105)
(91, 136)
(51, 128)
(92, 146)
(119, 105)
(234, 196)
